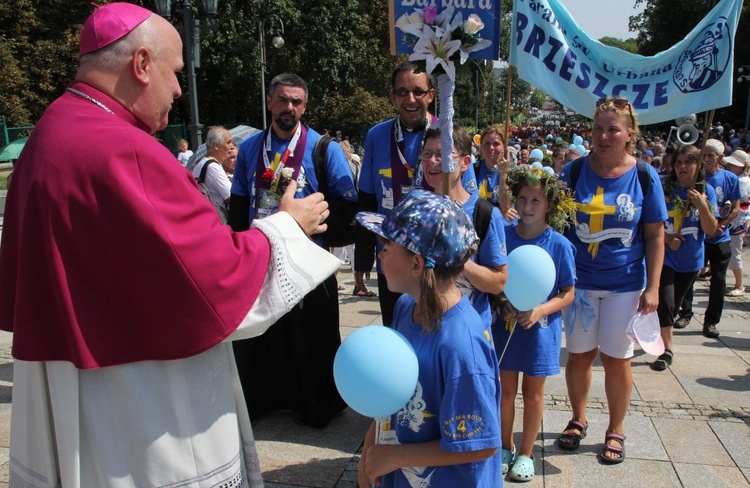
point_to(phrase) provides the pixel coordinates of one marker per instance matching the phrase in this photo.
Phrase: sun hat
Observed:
(427, 224)
(738, 158)
(109, 23)
(646, 330)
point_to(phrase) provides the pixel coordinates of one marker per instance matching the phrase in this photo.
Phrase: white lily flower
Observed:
(411, 23)
(481, 44)
(436, 51)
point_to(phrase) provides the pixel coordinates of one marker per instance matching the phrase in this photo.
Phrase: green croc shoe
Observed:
(508, 457)
(522, 469)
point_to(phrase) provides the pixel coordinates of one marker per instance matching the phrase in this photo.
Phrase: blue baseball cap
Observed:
(427, 224)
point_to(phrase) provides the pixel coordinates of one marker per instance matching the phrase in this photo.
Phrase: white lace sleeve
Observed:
(296, 267)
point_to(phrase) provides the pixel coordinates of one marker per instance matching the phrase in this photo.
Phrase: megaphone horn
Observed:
(687, 134)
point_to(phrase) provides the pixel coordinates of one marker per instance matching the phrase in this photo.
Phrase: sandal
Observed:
(523, 469)
(359, 292)
(508, 457)
(618, 451)
(663, 361)
(570, 441)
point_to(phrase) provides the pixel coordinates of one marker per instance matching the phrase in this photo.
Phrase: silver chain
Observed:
(90, 99)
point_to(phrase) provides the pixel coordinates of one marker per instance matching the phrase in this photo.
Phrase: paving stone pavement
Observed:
(687, 426)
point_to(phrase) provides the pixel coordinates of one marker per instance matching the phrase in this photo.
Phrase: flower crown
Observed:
(441, 39)
(562, 205)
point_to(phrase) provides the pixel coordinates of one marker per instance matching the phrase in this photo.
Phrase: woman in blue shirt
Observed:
(692, 216)
(619, 241)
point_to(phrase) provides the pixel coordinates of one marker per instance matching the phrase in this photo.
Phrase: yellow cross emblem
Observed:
(596, 209)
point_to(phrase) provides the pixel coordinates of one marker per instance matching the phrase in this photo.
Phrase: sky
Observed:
(592, 14)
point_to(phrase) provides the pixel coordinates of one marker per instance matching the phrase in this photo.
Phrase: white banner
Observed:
(556, 55)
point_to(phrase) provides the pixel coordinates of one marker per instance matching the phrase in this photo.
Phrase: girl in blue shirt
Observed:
(692, 216)
(448, 434)
(534, 346)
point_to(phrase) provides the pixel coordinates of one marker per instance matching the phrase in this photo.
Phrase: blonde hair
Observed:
(494, 129)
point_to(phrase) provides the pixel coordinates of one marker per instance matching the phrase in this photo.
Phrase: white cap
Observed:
(738, 158)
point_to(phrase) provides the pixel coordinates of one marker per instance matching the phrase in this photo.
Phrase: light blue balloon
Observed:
(537, 154)
(581, 149)
(537, 164)
(376, 371)
(548, 170)
(531, 276)
(578, 140)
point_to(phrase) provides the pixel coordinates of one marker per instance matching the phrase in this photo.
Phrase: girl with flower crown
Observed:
(443, 437)
(544, 208)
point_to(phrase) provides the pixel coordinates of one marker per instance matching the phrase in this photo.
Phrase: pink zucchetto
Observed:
(109, 23)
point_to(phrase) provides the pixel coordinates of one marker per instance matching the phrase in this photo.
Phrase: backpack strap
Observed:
(202, 177)
(644, 177)
(319, 157)
(575, 173)
(482, 218)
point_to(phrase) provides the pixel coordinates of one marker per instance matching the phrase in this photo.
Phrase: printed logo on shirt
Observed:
(463, 426)
(594, 232)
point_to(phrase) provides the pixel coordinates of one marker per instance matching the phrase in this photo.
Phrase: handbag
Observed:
(223, 213)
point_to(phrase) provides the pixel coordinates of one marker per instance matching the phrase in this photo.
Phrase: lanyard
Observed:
(398, 138)
(288, 152)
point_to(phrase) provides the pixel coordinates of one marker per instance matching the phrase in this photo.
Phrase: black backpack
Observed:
(341, 221)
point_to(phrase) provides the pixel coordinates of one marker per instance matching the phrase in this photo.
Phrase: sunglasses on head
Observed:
(620, 103)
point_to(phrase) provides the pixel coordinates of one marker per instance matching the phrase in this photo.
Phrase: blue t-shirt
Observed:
(689, 257)
(492, 252)
(457, 399)
(727, 187)
(609, 242)
(488, 183)
(340, 183)
(536, 351)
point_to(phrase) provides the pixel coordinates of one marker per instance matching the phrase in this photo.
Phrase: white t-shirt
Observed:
(184, 156)
(217, 181)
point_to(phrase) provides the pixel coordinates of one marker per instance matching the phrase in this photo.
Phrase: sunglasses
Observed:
(417, 92)
(620, 103)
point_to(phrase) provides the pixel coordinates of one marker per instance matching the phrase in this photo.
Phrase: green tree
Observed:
(629, 45)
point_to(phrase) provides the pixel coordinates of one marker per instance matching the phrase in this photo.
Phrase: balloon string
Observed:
(513, 327)
(378, 430)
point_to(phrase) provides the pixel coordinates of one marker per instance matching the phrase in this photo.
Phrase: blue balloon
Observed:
(531, 276)
(376, 371)
(548, 170)
(581, 149)
(578, 140)
(537, 164)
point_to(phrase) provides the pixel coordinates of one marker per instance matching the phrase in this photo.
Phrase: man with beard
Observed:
(292, 366)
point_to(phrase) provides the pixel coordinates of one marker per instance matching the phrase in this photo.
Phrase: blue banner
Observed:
(559, 57)
(487, 10)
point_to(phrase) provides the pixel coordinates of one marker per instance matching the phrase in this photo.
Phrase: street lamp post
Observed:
(192, 56)
(277, 42)
(746, 69)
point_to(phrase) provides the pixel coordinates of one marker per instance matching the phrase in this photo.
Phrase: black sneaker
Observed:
(710, 331)
(681, 322)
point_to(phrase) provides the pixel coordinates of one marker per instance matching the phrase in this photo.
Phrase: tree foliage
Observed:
(629, 45)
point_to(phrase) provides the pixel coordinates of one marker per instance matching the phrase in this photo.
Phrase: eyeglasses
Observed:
(620, 103)
(417, 92)
(427, 155)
